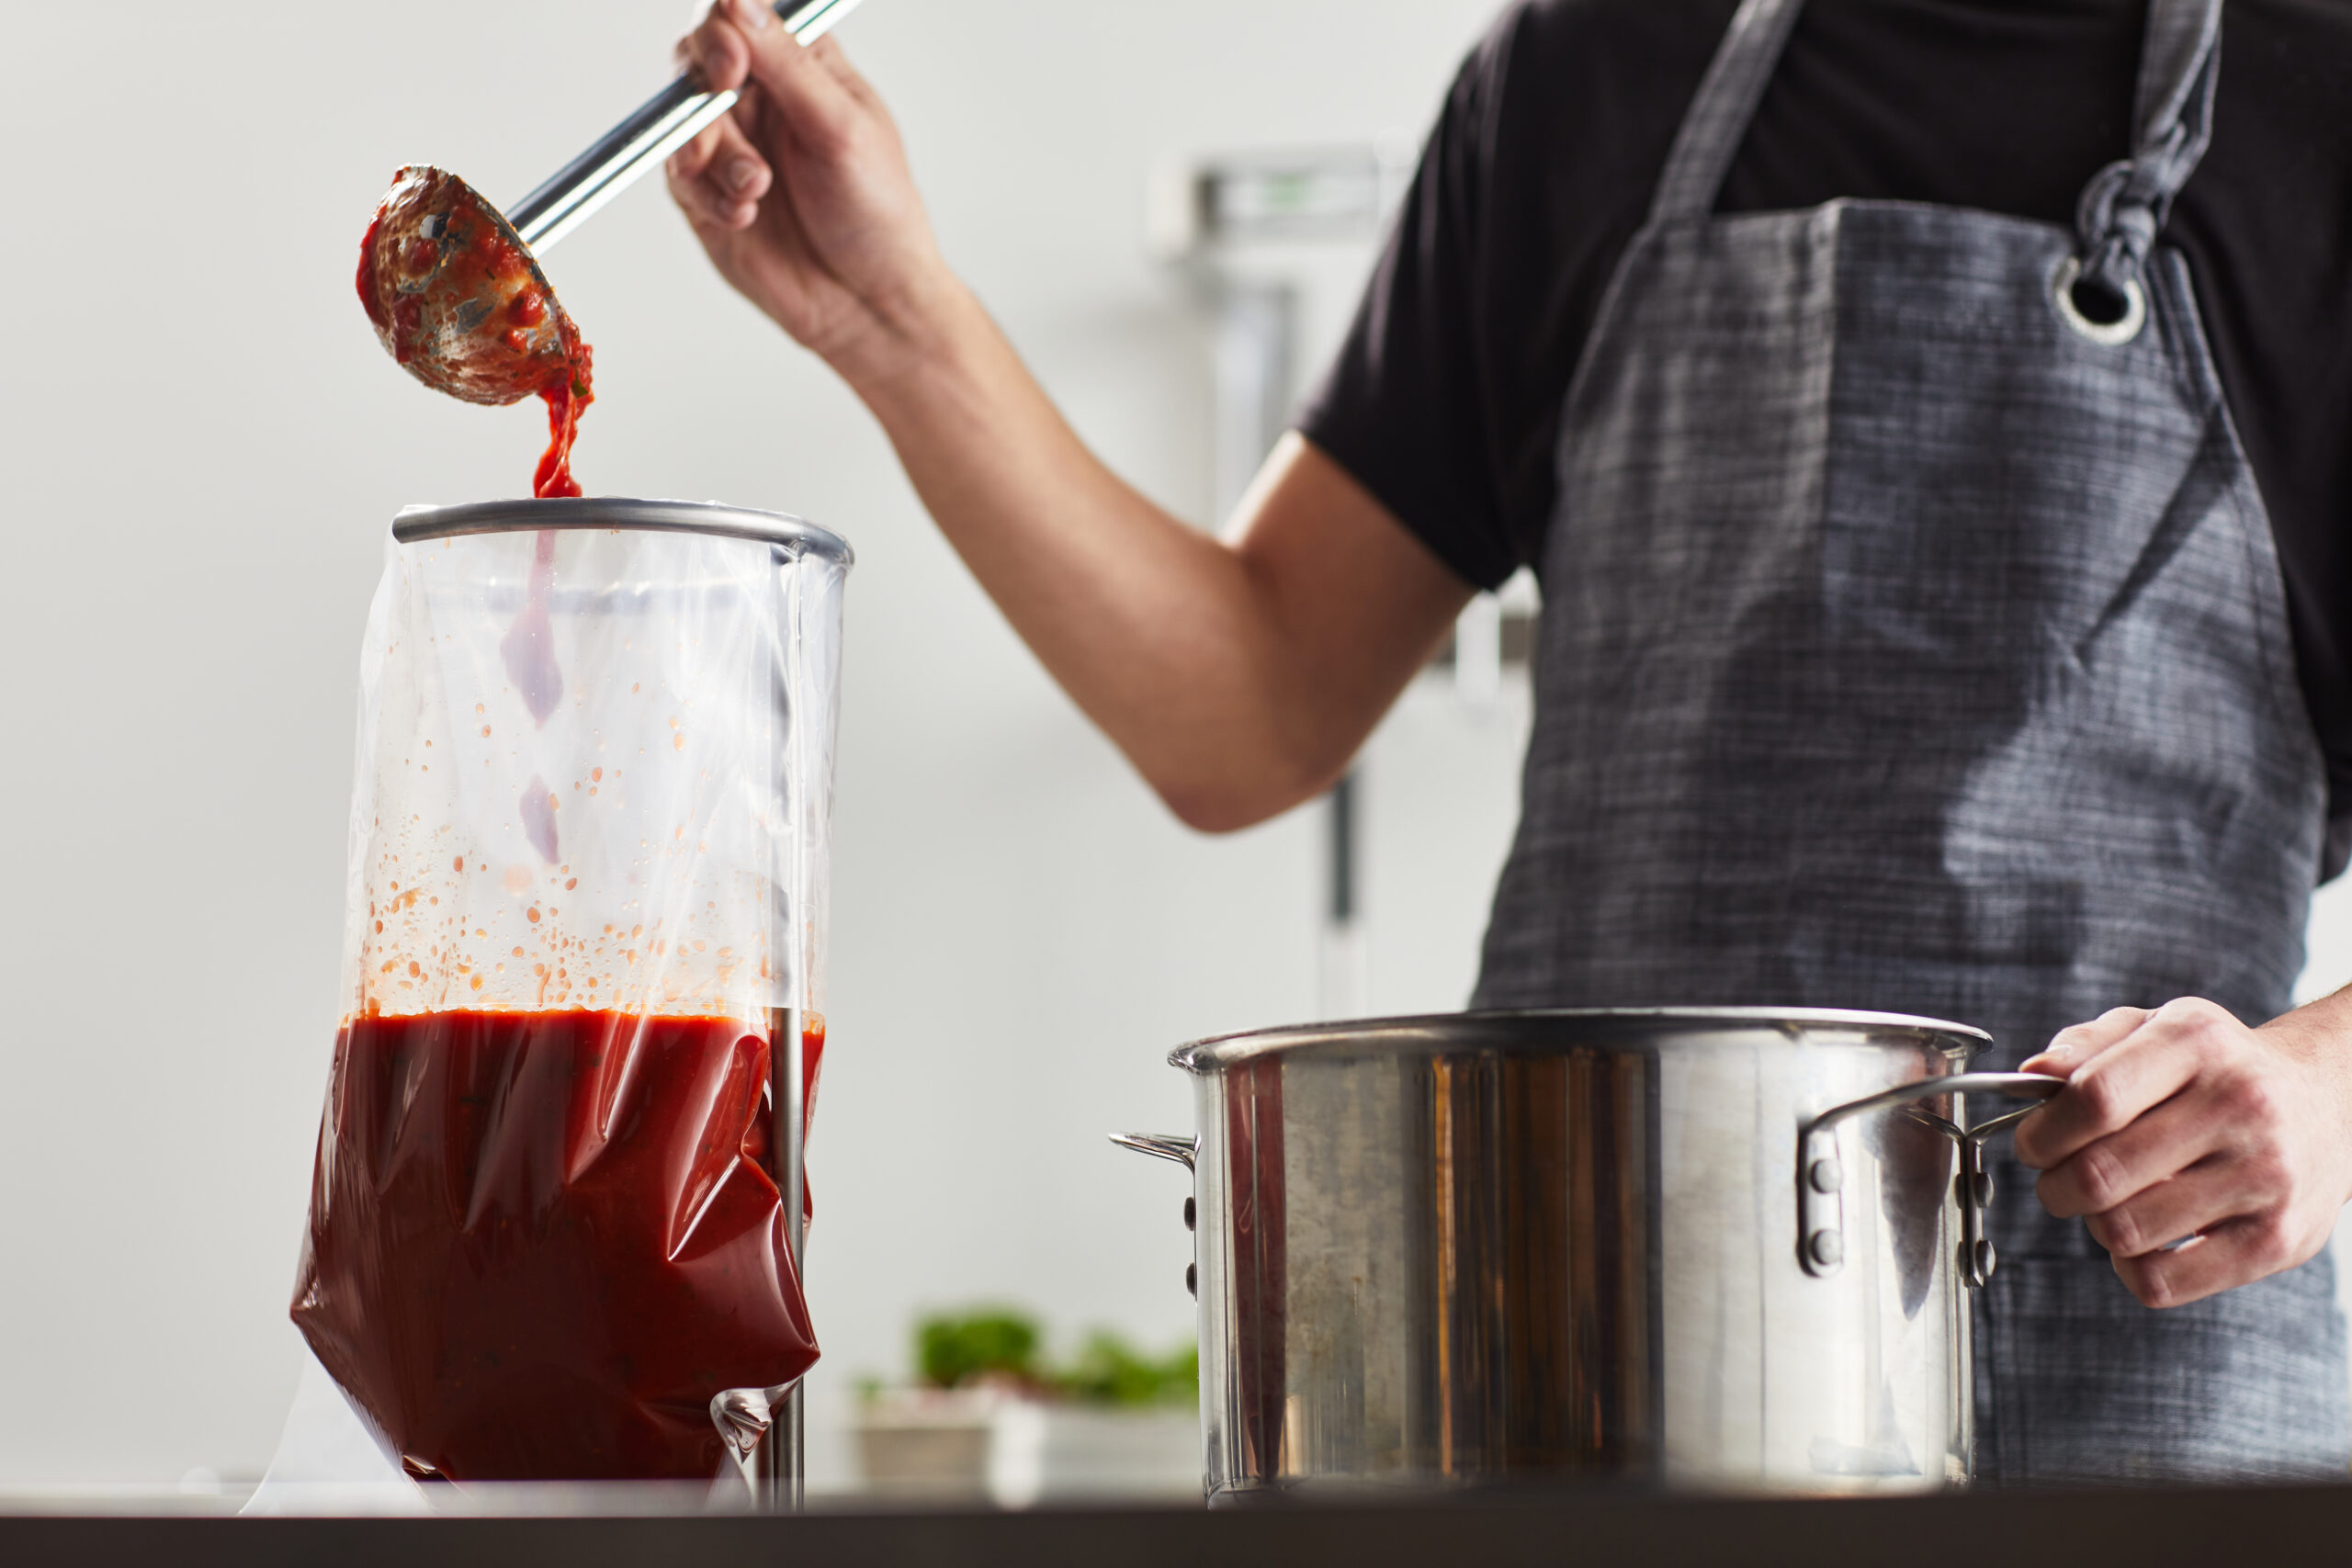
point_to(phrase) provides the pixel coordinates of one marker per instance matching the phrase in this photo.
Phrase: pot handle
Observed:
(1161, 1145)
(1821, 1178)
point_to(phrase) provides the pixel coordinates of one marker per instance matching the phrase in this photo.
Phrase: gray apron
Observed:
(1912, 644)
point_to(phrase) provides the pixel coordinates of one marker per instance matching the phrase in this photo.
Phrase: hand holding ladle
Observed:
(453, 287)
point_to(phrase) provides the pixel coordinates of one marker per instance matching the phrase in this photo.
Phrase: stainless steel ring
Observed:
(795, 535)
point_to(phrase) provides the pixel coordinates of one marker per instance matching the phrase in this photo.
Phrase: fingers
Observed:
(2201, 1198)
(2223, 1257)
(2120, 1166)
(718, 47)
(694, 158)
(2124, 1080)
(719, 177)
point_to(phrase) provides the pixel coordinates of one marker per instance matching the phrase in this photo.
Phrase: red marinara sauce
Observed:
(541, 1243)
(566, 400)
(460, 303)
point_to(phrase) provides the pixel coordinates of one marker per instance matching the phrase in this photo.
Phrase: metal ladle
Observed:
(453, 287)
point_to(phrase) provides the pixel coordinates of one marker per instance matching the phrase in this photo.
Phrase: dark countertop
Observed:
(2144, 1529)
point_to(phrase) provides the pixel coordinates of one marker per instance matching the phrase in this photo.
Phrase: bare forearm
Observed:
(1238, 676)
(2318, 1034)
(1168, 637)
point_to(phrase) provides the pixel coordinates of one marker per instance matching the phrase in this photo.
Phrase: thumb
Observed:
(2070, 1050)
(815, 106)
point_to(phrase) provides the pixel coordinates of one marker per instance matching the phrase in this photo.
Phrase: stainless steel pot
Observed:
(1721, 1248)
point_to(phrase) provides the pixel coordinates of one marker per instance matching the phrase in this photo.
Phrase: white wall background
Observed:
(200, 448)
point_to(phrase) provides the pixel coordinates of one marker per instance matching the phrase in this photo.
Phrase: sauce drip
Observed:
(566, 400)
(528, 647)
(459, 302)
(541, 1243)
(537, 809)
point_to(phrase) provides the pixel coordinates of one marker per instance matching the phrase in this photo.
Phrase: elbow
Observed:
(1217, 812)
(1232, 804)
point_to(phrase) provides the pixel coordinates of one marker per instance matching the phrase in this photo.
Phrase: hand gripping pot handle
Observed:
(1821, 1177)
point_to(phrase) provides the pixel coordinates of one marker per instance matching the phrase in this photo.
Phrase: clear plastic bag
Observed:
(586, 907)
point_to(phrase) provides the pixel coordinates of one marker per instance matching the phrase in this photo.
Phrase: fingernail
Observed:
(740, 174)
(755, 15)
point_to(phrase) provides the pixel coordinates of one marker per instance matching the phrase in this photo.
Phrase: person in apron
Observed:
(1913, 639)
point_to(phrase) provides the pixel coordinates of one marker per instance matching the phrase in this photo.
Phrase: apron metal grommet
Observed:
(2107, 335)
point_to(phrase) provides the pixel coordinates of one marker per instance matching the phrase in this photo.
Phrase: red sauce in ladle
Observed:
(460, 303)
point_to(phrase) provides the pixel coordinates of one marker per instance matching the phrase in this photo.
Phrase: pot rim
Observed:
(1555, 1030)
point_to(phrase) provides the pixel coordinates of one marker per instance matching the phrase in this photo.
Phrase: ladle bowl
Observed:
(455, 294)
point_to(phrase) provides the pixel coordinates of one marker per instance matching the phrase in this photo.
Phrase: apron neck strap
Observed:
(2124, 206)
(2121, 210)
(1726, 101)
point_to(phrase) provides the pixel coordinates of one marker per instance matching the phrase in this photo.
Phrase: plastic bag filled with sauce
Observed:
(586, 911)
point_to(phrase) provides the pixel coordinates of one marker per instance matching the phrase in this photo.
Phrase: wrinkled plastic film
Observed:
(811, 660)
(641, 818)
(812, 655)
(589, 863)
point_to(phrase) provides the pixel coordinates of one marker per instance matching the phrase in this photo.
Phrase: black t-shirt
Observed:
(1446, 401)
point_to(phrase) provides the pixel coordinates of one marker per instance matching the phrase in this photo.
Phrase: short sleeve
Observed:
(1400, 407)
(1445, 400)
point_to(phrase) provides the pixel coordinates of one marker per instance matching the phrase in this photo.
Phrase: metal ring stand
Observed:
(779, 1465)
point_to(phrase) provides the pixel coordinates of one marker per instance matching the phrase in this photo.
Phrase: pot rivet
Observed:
(1828, 1249)
(1984, 1190)
(1984, 1261)
(1192, 1216)
(1193, 1279)
(1826, 1176)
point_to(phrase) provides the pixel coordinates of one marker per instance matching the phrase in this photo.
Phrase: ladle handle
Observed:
(665, 123)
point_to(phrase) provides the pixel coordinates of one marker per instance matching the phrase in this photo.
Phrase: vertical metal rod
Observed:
(795, 1227)
(1341, 906)
(1344, 980)
(780, 1465)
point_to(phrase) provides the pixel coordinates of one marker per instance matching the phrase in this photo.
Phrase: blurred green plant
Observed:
(1000, 1345)
(1109, 1370)
(951, 1350)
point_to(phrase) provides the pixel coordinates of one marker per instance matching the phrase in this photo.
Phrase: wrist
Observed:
(2315, 1037)
(929, 323)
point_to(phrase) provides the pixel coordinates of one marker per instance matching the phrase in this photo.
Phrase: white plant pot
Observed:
(986, 1445)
